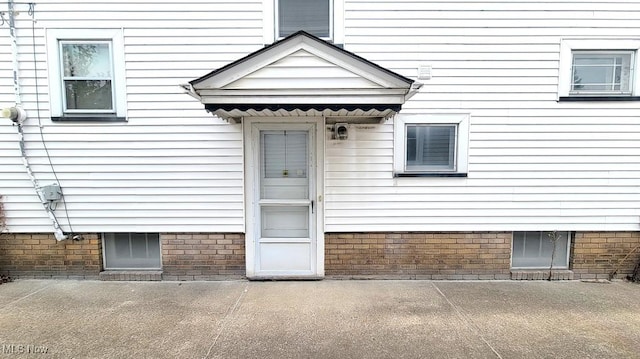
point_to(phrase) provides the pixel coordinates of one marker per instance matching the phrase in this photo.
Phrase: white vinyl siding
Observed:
(534, 163)
(172, 166)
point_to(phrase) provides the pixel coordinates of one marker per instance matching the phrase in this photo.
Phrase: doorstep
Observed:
(131, 276)
(556, 274)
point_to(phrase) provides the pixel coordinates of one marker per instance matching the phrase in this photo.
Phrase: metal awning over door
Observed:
(303, 75)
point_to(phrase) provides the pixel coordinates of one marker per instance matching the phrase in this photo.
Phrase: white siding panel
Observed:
(534, 163)
(171, 166)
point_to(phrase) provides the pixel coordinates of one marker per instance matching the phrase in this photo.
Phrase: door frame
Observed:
(251, 176)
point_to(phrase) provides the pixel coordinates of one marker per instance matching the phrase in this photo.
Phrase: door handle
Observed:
(312, 206)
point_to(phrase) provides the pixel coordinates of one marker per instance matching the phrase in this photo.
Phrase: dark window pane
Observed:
(88, 94)
(431, 147)
(121, 244)
(308, 15)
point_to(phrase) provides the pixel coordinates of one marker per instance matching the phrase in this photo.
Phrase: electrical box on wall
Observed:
(51, 192)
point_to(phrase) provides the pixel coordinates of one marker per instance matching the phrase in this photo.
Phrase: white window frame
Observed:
(56, 83)
(106, 263)
(461, 156)
(270, 23)
(65, 78)
(604, 46)
(544, 233)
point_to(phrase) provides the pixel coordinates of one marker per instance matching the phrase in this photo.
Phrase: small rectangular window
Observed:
(312, 16)
(431, 147)
(131, 250)
(534, 250)
(602, 73)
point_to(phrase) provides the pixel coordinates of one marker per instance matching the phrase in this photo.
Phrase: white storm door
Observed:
(285, 214)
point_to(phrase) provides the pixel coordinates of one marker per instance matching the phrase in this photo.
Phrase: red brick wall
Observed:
(202, 256)
(464, 255)
(41, 256)
(594, 255)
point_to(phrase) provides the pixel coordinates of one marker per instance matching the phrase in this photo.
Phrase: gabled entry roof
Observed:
(302, 75)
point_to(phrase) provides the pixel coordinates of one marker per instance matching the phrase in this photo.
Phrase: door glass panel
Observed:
(285, 222)
(283, 165)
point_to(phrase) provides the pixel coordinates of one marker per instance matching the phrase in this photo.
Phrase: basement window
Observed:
(533, 250)
(131, 251)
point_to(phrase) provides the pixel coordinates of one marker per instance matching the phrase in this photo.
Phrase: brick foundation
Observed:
(202, 256)
(207, 256)
(42, 256)
(594, 255)
(466, 255)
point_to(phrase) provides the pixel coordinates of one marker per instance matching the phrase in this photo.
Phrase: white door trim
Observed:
(251, 165)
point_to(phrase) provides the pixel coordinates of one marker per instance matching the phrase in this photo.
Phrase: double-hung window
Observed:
(434, 144)
(86, 75)
(599, 69)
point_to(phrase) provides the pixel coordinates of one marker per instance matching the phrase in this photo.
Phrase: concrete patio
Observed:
(325, 319)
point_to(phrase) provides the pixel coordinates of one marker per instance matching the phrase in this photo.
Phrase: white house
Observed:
(310, 138)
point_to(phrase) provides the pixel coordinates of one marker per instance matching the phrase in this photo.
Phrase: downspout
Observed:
(18, 115)
(14, 52)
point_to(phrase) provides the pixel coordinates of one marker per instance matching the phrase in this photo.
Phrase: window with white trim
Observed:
(86, 75)
(322, 18)
(433, 144)
(131, 251)
(534, 249)
(602, 73)
(599, 69)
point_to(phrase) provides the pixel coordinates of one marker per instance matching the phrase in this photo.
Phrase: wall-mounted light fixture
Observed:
(340, 131)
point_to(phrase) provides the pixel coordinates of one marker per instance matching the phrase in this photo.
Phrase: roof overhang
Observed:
(302, 75)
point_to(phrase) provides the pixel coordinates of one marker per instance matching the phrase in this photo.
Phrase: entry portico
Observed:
(285, 95)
